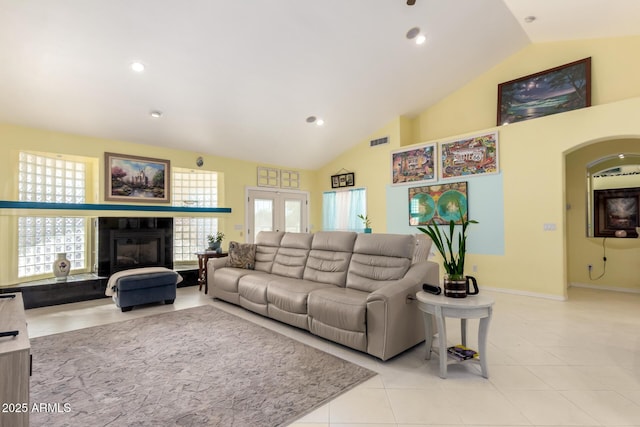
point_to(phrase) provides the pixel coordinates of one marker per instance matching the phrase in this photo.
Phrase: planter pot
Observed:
(455, 286)
(367, 230)
(214, 246)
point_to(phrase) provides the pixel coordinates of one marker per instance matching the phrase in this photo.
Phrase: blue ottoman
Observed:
(140, 286)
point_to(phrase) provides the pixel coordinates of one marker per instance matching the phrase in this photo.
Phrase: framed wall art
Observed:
(616, 210)
(559, 89)
(343, 180)
(473, 155)
(440, 203)
(414, 165)
(136, 179)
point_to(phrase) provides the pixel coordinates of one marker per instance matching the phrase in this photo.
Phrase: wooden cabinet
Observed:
(14, 364)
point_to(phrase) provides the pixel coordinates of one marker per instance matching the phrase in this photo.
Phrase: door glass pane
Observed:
(263, 215)
(293, 216)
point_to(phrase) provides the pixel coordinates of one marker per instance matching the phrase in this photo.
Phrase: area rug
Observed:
(194, 367)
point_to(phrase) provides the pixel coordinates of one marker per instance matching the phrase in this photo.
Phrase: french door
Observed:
(276, 210)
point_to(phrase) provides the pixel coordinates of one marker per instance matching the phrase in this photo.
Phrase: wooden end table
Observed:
(472, 307)
(203, 257)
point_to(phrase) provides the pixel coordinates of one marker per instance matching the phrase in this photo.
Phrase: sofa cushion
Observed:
(328, 260)
(291, 257)
(341, 308)
(291, 294)
(267, 244)
(241, 255)
(227, 278)
(253, 287)
(378, 259)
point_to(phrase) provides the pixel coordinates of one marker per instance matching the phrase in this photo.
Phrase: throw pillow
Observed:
(241, 255)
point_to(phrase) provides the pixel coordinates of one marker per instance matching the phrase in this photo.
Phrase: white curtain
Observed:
(340, 210)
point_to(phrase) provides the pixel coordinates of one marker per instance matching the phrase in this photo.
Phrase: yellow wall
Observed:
(372, 168)
(532, 155)
(236, 176)
(623, 255)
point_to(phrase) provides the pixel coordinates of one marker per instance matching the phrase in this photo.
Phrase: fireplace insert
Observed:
(126, 242)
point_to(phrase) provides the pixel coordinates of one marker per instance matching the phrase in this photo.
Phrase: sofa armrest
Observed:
(212, 265)
(394, 322)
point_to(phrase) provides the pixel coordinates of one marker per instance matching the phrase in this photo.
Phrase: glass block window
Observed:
(199, 189)
(50, 179)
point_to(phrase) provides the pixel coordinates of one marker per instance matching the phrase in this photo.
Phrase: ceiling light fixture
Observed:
(412, 33)
(138, 67)
(529, 19)
(156, 114)
(320, 122)
(421, 39)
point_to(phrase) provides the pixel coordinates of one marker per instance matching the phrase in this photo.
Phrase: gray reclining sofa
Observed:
(354, 289)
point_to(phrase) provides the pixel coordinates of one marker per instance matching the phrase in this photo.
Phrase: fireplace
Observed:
(126, 242)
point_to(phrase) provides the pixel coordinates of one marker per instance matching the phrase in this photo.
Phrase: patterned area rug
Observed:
(195, 367)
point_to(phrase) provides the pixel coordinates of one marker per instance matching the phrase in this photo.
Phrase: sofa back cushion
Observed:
(329, 257)
(378, 259)
(267, 244)
(292, 254)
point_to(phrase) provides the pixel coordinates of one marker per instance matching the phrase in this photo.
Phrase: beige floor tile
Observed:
(419, 406)
(361, 405)
(606, 406)
(549, 408)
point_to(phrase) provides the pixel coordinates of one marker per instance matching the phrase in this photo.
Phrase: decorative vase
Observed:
(455, 286)
(214, 246)
(61, 267)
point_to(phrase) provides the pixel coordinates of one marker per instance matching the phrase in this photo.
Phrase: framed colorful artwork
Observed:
(559, 89)
(473, 155)
(136, 179)
(440, 203)
(414, 165)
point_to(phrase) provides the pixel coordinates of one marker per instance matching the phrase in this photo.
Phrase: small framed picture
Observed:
(335, 181)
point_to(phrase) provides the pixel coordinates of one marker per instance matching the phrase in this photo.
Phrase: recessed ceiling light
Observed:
(156, 114)
(138, 67)
(412, 33)
(421, 39)
(319, 122)
(529, 19)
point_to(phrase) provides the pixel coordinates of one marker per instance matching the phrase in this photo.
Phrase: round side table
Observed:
(472, 307)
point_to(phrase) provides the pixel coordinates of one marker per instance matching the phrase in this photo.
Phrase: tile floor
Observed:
(551, 363)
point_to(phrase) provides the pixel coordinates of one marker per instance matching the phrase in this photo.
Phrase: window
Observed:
(340, 209)
(46, 178)
(198, 189)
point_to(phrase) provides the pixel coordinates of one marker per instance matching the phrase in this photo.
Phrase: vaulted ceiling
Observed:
(240, 78)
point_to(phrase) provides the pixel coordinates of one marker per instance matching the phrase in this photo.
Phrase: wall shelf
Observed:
(4, 204)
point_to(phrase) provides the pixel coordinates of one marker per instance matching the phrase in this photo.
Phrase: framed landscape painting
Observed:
(617, 210)
(440, 203)
(136, 179)
(559, 89)
(414, 165)
(473, 155)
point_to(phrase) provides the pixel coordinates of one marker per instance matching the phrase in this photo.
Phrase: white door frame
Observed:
(249, 232)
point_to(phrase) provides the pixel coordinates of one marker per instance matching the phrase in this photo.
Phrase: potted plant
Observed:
(215, 240)
(366, 222)
(455, 284)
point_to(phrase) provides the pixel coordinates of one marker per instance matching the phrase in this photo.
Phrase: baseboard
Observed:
(525, 293)
(604, 288)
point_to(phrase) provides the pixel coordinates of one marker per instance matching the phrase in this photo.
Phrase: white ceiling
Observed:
(238, 78)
